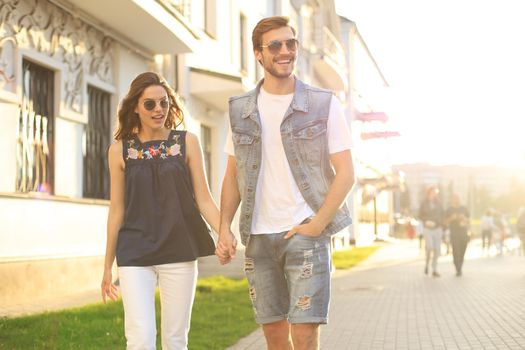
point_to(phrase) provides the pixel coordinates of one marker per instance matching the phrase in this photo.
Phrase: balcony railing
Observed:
(330, 47)
(192, 13)
(182, 6)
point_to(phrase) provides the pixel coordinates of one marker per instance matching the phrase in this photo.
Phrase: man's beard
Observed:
(272, 69)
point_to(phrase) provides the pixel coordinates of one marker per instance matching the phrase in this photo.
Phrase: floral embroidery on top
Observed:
(162, 150)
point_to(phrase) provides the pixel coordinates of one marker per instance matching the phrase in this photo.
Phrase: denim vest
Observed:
(303, 133)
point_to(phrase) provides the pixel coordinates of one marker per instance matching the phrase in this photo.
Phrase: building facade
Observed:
(65, 65)
(479, 187)
(372, 197)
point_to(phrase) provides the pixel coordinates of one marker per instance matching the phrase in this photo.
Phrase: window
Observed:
(198, 13)
(96, 144)
(243, 47)
(201, 13)
(35, 148)
(206, 150)
(195, 11)
(210, 15)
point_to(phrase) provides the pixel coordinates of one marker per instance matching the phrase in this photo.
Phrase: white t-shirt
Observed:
(279, 205)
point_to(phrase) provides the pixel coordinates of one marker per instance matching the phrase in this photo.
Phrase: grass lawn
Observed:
(346, 259)
(222, 314)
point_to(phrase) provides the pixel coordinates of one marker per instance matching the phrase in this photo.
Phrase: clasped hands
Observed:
(227, 244)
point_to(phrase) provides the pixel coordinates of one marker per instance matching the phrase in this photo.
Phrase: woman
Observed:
(431, 216)
(155, 229)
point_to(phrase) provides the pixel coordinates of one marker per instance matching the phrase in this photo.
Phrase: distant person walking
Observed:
(410, 228)
(419, 231)
(487, 229)
(501, 231)
(431, 216)
(520, 228)
(458, 223)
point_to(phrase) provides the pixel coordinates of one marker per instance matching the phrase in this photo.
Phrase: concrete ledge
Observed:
(33, 281)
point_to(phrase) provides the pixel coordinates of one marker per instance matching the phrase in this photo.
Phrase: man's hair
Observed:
(267, 24)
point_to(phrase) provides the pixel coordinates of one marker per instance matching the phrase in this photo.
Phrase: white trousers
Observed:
(177, 283)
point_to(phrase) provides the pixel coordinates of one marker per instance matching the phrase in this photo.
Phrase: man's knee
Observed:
(277, 332)
(305, 336)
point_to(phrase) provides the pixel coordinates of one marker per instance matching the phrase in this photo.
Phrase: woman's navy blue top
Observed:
(162, 223)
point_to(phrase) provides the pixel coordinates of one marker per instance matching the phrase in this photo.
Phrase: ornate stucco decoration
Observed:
(43, 27)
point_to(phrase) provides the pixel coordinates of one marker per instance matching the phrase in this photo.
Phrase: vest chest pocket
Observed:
(243, 144)
(242, 139)
(311, 142)
(310, 131)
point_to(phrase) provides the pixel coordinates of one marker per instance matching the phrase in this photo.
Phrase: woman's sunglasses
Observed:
(150, 105)
(275, 46)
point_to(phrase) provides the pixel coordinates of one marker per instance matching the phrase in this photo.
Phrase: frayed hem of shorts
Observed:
(272, 319)
(300, 320)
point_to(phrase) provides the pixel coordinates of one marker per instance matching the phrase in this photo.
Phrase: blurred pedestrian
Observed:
(487, 229)
(446, 239)
(520, 228)
(155, 229)
(419, 231)
(501, 231)
(410, 228)
(457, 221)
(431, 216)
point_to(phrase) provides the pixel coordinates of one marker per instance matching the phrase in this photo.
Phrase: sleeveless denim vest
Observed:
(303, 133)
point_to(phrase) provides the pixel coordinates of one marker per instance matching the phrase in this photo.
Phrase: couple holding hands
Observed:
(290, 169)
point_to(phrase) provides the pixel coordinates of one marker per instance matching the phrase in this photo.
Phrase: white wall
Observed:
(68, 158)
(39, 228)
(9, 113)
(219, 54)
(128, 66)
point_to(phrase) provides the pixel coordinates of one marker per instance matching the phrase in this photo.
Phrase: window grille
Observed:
(96, 143)
(35, 132)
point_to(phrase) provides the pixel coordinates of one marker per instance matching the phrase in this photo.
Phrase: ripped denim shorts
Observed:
(289, 279)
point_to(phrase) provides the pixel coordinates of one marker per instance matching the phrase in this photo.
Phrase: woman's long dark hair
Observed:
(128, 119)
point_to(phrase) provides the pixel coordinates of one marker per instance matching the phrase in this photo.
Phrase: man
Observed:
(431, 216)
(457, 220)
(287, 139)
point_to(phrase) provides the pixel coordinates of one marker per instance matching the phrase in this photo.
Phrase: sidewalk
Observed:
(388, 303)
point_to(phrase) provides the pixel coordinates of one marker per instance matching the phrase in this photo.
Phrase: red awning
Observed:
(372, 116)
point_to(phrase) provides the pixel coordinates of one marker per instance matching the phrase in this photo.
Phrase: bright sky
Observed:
(456, 70)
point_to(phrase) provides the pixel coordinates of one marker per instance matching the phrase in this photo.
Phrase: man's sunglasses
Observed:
(275, 46)
(150, 105)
